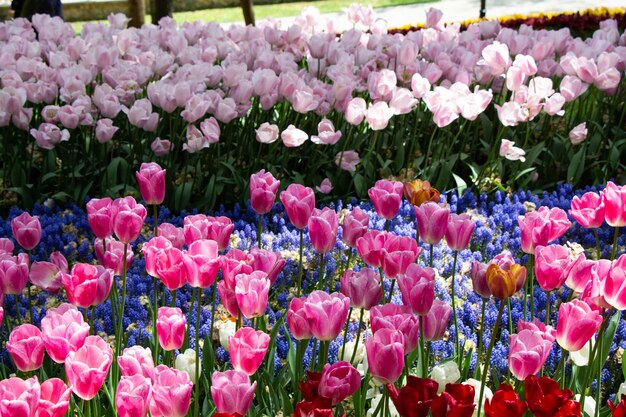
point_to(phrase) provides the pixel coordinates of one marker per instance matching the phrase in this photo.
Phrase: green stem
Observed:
(531, 272)
(358, 336)
(173, 300)
(592, 357)
(197, 380)
(120, 322)
(213, 308)
(547, 308)
(492, 342)
(155, 308)
(422, 348)
(430, 260)
(345, 334)
(391, 287)
(480, 336)
(457, 346)
(260, 231)
(323, 355)
(382, 283)
(598, 250)
(156, 219)
(300, 264)
(321, 277)
(614, 251)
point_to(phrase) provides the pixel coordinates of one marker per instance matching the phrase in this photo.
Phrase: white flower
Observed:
(590, 405)
(487, 394)
(621, 391)
(392, 408)
(226, 328)
(187, 362)
(445, 373)
(581, 357)
(511, 152)
(358, 356)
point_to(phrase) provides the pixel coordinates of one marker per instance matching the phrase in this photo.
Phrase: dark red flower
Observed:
(227, 415)
(505, 402)
(309, 388)
(618, 410)
(414, 399)
(456, 401)
(320, 407)
(546, 399)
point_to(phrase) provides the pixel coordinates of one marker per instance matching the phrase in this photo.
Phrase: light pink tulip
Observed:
(528, 353)
(26, 347)
(588, 210)
(63, 330)
(293, 137)
(137, 360)
(45, 275)
(132, 397)
(496, 56)
(232, 392)
(170, 324)
(18, 397)
(247, 349)
(378, 115)
(546, 331)
(614, 199)
(48, 135)
(267, 133)
(171, 393)
(161, 147)
(577, 323)
(325, 187)
(511, 152)
(87, 368)
(105, 130)
(578, 134)
(355, 111)
(347, 160)
(326, 133)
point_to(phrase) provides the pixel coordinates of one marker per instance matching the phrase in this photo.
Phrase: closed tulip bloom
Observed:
(615, 284)
(13, 274)
(228, 298)
(202, 263)
(371, 247)
(186, 362)
(251, 291)
(478, 275)
(87, 367)
(151, 179)
(327, 313)
(195, 227)
(113, 258)
(588, 210)
(263, 189)
(545, 331)
(18, 397)
(415, 398)
(170, 326)
(99, 216)
(170, 267)
(417, 192)
(436, 321)
(459, 231)
(541, 227)
(323, 226)
(614, 199)
(504, 284)
(579, 273)
(171, 393)
(552, 265)
(55, 398)
(594, 292)
(386, 196)
(247, 349)
(355, 225)
(297, 320)
(26, 230)
(136, 360)
(362, 288)
(401, 318)
(26, 347)
(132, 398)
(6, 246)
(299, 202)
(219, 229)
(577, 323)
(172, 233)
(87, 285)
(385, 355)
(432, 221)
(271, 263)
(399, 253)
(150, 249)
(528, 353)
(417, 286)
(63, 330)
(339, 381)
(127, 217)
(505, 402)
(232, 391)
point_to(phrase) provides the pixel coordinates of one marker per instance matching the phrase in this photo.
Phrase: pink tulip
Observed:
(263, 188)
(396, 317)
(219, 229)
(362, 288)
(87, 368)
(132, 398)
(13, 274)
(26, 347)
(339, 381)
(508, 149)
(173, 234)
(436, 321)
(371, 247)
(615, 284)
(127, 218)
(496, 56)
(113, 258)
(387, 250)
(432, 221)
(251, 292)
(595, 288)
(232, 392)
(161, 147)
(267, 133)
(323, 225)
(347, 160)
(546, 331)
(201, 263)
(552, 265)
(63, 330)
(59, 260)
(614, 199)
(355, 225)
(577, 323)
(6, 246)
(87, 285)
(170, 267)
(578, 134)
(386, 196)
(271, 263)
(105, 130)
(195, 227)
(151, 180)
(417, 286)
(247, 349)
(45, 275)
(293, 137)
(170, 324)
(171, 393)
(299, 202)
(99, 216)
(236, 262)
(327, 313)
(326, 133)
(378, 115)
(588, 210)
(137, 360)
(541, 227)
(528, 353)
(55, 398)
(150, 250)
(579, 273)
(459, 231)
(385, 355)
(26, 230)
(19, 398)
(325, 186)
(297, 320)
(355, 111)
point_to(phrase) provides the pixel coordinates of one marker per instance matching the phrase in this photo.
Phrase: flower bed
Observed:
(478, 264)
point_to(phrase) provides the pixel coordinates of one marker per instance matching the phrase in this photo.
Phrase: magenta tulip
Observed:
(137, 360)
(170, 267)
(18, 397)
(436, 321)
(45, 275)
(172, 233)
(541, 227)
(417, 286)
(202, 263)
(228, 298)
(13, 274)
(251, 292)
(595, 290)
(263, 189)
(327, 313)
(546, 331)
(552, 265)
(395, 317)
(615, 284)
(385, 355)
(528, 353)
(87, 368)
(6, 246)
(127, 217)
(151, 180)
(577, 323)
(150, 249)
(195, 227)
(113, 258)
(323, 225)
(297, 320)
(459, 231)
(371, 247)
(63, 330)
(171, 393)
(399, 253)
(55, 398)
(432, 221)
(339, 381)
(614, 199)
(132, 398)
(99, 216)
(386, 196)
(579, 273)
(26, 230)
(87, 285)
(170, 326)
(362, 288)
(355, 225)
(271, 263)
(219, 229)
(232, 392)
(588, 210)
(299, 202)
(247, 349)
(26, 347)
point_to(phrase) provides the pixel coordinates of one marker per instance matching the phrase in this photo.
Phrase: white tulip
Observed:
(187, 362)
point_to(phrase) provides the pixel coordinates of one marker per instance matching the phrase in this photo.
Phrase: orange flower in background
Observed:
(504, 283)
(418, 192)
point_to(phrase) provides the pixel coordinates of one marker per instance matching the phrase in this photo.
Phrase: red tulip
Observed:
(415, 398)
(546, 399)
(505, 402)
(456, 401)
(618, 410)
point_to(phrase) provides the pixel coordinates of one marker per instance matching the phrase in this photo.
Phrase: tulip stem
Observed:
(382, 283)
(30, 302)
(599, 384)
(393, 284)
(120, 323)
(480, 336)
(531, 270)
(430, 259)
(547, 307)
(259, 231)
(320, 282)
(156, 219)
(492, 342)
(300, 264)
(173, 300)
(93, 319)
(312, 364)
(457, 346)
(322, 358)
(422, 348)
(213, 307)
(615, 235)
(345, 334)
(358, 336)
(197, 346)
(598, 250)
(154, 317)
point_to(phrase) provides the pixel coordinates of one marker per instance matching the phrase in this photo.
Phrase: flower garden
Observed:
(271, 221)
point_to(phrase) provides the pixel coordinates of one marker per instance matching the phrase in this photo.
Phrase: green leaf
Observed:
(360, 185)
(607, 337)
(576, 166)
(461, 185)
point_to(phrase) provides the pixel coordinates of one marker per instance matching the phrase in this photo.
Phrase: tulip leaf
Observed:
(607, 338)
(576, 166)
